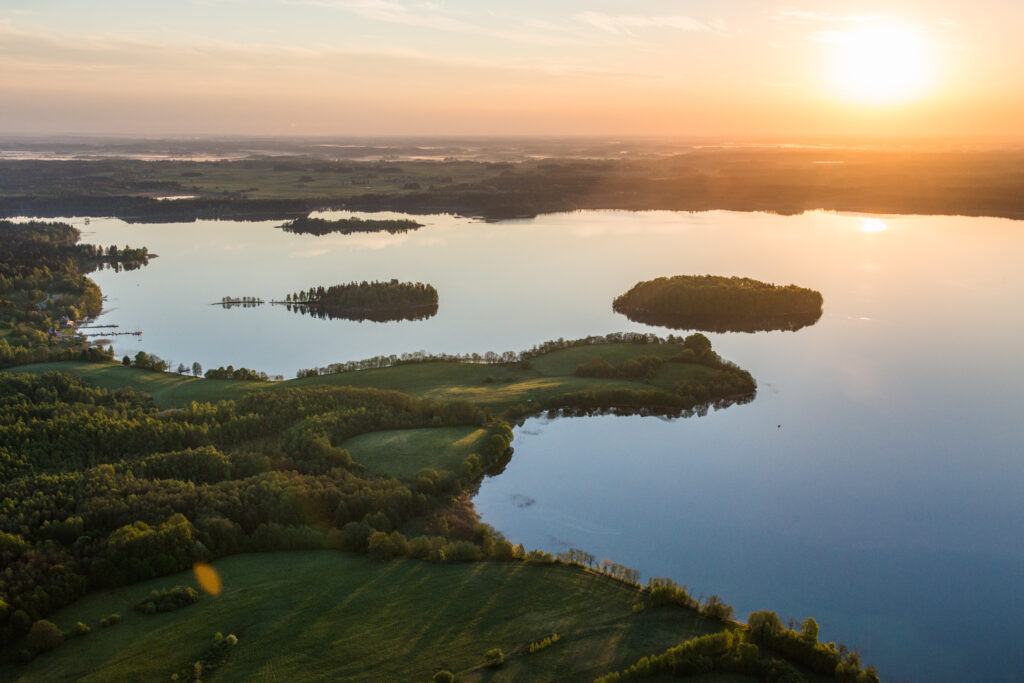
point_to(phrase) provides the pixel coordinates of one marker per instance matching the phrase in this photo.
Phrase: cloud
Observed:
(435, 16)
(801, 17)
(625, 24)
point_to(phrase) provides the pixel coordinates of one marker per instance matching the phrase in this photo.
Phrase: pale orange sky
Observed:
(366, 67)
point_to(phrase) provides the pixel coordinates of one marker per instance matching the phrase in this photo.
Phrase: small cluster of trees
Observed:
(167, 600)
(765, 628)
(231, 372)
(346, 226)
(212, 658)
(576, 556)
(145, 361)
(243, 301)
(494, 658)
(544, 643)
(367, 296)
(749, 651)
(129, 258)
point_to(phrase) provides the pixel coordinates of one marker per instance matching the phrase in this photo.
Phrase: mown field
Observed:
(403, 452)
(497, 387)
(324, 615)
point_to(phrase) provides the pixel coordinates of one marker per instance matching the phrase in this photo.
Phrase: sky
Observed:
(687, 68)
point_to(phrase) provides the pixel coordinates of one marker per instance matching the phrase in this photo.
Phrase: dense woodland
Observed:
(787, 181)
(719, 304)
(43, 291)
(347, 226)
(100, 488)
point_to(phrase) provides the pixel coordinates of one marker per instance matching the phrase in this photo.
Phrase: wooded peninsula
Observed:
(157, 488)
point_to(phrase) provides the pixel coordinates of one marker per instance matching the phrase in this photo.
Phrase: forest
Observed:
(719, 304)
(785, 181)
(44, 291)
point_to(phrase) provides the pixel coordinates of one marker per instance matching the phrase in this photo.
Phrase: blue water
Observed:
(874, 483)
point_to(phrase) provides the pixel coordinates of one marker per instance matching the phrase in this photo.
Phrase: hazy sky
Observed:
(349, 67)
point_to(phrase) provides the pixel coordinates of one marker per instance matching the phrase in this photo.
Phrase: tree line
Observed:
(488, 358)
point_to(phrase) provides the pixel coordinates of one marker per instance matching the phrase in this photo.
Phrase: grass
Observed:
(564, 362)
(403, 453)
(497, 387)
(401, 620)
(168, 390)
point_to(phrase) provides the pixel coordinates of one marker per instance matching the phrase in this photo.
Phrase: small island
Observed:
(347, 226)
(375, 301)
(713, 303)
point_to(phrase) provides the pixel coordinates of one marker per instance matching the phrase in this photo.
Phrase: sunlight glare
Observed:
(880, 65)
(873, 225)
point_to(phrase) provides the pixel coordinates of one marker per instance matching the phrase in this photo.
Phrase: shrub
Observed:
(444, 676)
(715, 608)
(112, 620)
(494, 658)
(81, 629)
(44, 635)
(168, 600)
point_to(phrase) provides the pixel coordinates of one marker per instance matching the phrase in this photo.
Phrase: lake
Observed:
(874, 483)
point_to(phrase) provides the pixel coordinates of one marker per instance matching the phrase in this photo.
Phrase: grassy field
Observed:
(403, 453)
(168, 390)
(497, 387)
(323, 615)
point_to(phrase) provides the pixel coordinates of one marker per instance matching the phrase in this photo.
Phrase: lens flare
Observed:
(207, 577)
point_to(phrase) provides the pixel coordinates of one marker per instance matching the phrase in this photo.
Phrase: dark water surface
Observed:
(875, 483)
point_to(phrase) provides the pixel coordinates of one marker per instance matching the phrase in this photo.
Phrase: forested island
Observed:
(376, 301)
(113, 474)
(347, 226)
(719, 304)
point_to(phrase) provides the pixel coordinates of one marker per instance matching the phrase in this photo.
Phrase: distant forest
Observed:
(719, 304)
(785, 181)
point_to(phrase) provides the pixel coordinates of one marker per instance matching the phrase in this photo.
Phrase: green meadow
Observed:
(497, 387)
(404, 452)
(325, 615)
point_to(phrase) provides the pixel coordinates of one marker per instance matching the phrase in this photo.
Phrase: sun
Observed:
(880, 65)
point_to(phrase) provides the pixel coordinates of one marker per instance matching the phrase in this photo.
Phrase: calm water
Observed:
(874, 483)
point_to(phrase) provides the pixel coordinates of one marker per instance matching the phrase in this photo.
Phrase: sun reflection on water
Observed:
(873, 225)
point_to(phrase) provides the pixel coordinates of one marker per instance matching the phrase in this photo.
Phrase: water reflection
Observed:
(360, 315)
(684, 321)
(873, 225)
(887, 505)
